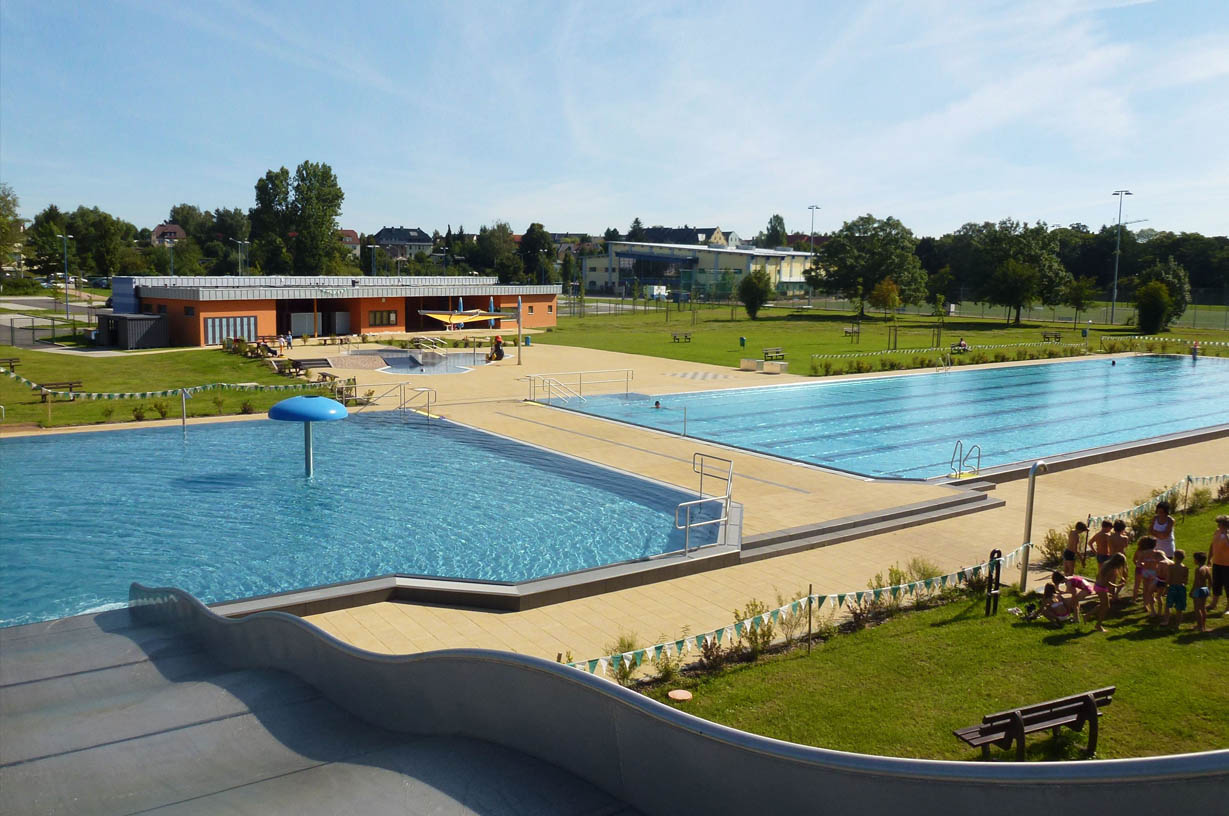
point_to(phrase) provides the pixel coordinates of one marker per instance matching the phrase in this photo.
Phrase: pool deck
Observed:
(774, 494)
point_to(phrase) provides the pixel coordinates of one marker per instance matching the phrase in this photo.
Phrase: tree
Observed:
(10, 222)
(865, 251)
(43, 248)
(317, 203)
(568, 271)
(272, 222)
(509, 269)
(775, 236)
(885, 296)
(1081, 293)
(197, 224)
(536, 251)
(1174, 278)
(1152, 306)
(1053, 280)
(491, 244)
(754, 290)
(636, 231)
(611, 234)
(1014, 285)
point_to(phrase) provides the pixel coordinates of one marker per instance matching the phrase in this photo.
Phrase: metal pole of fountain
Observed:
(308, 409)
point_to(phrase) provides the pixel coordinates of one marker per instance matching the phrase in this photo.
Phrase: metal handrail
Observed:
(687, 527)
(419, 392)
(964, 461)
(699, 462)
(957, 458)
(583, 378)
(372, 401)
(552, 383)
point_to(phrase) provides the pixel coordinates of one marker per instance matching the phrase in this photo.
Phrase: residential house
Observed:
(167, 234)
(403, 242)
(349, 239)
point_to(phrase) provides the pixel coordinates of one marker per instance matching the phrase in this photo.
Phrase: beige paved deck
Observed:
(774, 494)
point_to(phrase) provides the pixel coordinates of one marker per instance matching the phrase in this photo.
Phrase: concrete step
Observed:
(866, 525)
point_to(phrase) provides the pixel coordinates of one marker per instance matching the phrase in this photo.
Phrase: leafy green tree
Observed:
(272, 221)
(775, 235)
(492, 243)
(1080, 295)
(942, 284)
(568, 271)
(1153, 305)
(509, 269)
(537, 252)
(196, 223)
(100, 239)
(885, 296)
(754, 290)
(636, 231)
(611, 234)
(865, 251)
(43, 248)
(1053, 280)
(317, 202)
(1014, 285)
(1173, 276)
(10, 222)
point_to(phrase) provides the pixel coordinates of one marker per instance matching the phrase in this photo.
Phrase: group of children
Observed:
(1161, 575)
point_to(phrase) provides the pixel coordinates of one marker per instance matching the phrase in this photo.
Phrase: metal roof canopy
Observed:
(257, 289)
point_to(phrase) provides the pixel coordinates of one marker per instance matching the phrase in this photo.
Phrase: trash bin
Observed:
(1084, 332)
(528, 340)
(742, 342)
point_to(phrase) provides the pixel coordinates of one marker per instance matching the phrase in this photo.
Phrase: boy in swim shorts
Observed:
(1200, 592)
(1100, 542)
(1073, 546)
(1218, 556)
(1175, 596)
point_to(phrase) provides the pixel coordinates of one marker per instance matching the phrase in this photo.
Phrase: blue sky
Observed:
(585, 115)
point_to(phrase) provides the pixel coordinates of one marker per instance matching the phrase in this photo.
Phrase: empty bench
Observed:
(1006, 727)
(684, 337)
(1051, 337)
(9, 362)
(776, 353)
(851, 330)
(68, 385)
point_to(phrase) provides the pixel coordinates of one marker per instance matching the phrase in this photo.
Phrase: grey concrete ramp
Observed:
(98, 715)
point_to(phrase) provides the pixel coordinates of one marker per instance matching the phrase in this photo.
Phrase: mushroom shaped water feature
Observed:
(308, 409)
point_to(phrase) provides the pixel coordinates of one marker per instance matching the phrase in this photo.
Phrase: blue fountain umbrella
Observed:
(308, 409)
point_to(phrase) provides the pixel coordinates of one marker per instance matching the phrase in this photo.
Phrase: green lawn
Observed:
(900, 688)
(715, 333)
(133, 372)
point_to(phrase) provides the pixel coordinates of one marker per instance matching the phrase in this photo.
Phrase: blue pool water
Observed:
(227, 513)
(414, 361)
(907, 426)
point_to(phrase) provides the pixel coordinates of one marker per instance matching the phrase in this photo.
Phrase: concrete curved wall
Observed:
(656, 758)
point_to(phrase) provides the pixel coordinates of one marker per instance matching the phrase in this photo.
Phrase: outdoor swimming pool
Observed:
(417, 361)
(227, 514)
(907, 426)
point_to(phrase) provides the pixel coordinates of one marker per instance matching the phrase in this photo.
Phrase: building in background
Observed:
(709, 272)
(205, 310)
(349, 239)
(167, 234)
(403, 242)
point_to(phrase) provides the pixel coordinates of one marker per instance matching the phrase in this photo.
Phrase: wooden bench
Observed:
(959, 349)
(10, 363)
(851, 330)
(775, 353)
(1006, 727)
(1051, 337)
(682, 337)
(68, 385)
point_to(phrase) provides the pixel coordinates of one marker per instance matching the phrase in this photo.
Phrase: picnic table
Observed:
(682, 337)
(1052, 337)
(774, 353)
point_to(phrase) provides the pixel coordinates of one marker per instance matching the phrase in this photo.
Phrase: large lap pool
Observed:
(907, 426)
(226, 512)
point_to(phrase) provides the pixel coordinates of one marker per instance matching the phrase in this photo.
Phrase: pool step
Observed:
(796, 539)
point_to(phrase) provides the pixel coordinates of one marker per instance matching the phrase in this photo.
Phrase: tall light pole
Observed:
(64, 238)
(373, 248)
(812, 208)
(241, 245)
(170, 244)
(1117, 251)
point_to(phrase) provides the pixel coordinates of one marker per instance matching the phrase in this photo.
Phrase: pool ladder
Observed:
(713, 467)
(960, 460)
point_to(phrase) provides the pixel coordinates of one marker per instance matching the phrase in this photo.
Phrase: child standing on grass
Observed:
(1157, 602)
(1100, 542)
(1145, 568)
(1218, 554)
(1118, 543)
(1111, 574)
(1200, 592)
(1073, 547)
(1175, 596)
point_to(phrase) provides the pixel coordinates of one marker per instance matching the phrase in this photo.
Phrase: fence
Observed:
(1177, 494)
(23, 330)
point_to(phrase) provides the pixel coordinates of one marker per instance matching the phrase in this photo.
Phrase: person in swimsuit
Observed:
(1053, 606)
(1077, 586)
(1073, 547)
(1110, 574)
(1159, 586)
(1218, 555)
(1100, 542)
(1200, 591)
(1145, 569)
(1118, 542)
(1175, 596)
(1162, 529)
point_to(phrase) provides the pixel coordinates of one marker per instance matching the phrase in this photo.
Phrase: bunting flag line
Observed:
(741, 628)
(848, 354)
(168, 392)
(1169, 495)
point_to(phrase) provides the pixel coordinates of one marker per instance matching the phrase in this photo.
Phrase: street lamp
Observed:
(64, 238)
(1117, 251)
(812, 208)
(373, 248)
(241, 245)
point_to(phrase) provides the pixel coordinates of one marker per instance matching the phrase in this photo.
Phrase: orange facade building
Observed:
(203, 311)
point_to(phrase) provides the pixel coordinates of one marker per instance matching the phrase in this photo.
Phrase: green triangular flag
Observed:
(738, 628)
(776, 615)
(840, 600)
(719, 633)
(819, 601)
(593, 665)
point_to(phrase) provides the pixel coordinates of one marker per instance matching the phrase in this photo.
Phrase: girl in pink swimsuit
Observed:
(1109, 576)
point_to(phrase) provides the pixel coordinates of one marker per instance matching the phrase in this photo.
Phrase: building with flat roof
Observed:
(205, 310)
(710, 271)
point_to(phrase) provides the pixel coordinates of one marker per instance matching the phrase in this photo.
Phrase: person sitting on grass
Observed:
(1073, 547)
(962, 346)
(1175, 596)
(1200, 591)
(1078, 589)
(1054, 606)
(1111, 574)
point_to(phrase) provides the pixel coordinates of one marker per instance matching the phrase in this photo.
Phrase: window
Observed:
(148, 308)
(550, 308)
(386, 317)
(531, 310)
(189, 311)
(161, 308)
